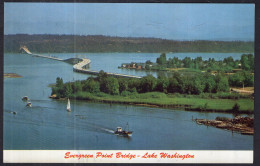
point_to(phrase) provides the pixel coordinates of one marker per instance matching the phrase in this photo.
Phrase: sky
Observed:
(226, 22)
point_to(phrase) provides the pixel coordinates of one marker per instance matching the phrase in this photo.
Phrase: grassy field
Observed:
(192, 102)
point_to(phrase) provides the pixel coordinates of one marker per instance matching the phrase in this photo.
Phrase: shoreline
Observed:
(242, 125)
(182, 107)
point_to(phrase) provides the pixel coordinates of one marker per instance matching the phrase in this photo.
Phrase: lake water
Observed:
(47, 125)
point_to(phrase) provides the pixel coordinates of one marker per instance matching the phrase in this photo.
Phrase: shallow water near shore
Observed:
(47, 124)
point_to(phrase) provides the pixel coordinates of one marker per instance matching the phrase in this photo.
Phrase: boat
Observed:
(68, 106)
(29, 104)
(121, 132)
(25, 98)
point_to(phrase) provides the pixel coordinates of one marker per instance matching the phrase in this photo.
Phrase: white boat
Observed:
(68, 106)
(125, 133)
(29, 104)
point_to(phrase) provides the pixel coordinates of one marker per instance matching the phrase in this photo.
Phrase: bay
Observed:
(47, 125)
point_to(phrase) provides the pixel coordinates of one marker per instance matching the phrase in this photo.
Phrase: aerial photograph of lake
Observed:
(111, 76)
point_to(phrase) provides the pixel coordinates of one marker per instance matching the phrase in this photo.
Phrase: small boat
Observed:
(121, 132)
(29, 104)
(68, 106)
(25, 98)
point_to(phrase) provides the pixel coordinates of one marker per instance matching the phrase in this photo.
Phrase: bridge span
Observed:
(82, 68)
(79, 67)
(24, 48)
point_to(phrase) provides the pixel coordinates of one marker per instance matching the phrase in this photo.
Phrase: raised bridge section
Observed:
(79, 67)
(24, 48)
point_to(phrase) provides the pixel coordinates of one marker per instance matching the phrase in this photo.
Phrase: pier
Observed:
(81, 67)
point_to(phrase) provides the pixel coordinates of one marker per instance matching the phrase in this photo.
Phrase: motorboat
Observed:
(121, 132)
(25, 98)
(29, 104)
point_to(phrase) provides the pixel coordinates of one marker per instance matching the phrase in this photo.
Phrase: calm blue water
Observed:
(47, 125)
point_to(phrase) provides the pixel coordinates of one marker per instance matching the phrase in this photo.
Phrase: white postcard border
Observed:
(127, 156)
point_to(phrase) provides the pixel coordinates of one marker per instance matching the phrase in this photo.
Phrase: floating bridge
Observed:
(81, 67)
(24, 48)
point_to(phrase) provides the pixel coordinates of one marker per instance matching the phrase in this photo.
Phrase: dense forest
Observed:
(98, 43)
(178, 83)
(227, 65)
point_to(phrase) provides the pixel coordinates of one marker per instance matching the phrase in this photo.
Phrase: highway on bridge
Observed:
(79, 67)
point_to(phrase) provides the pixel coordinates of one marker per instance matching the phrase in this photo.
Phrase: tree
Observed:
(229, 61)
(251, 61)
(102, 75)
(248, 78)
(123, 86)
(244, 62)
(76, 87)
(59, 82)
(162, 59)
(148, 67)
(187, 62)
(110, 85)
(173, 86)
(134, 84)
(162, 84)
(210, 84)
(198, 86)
(148, 62)
(221, 84)
(68, 90)
(147, 83)
(244, 78)
(192, 85)
(236, 79)
(91, 86)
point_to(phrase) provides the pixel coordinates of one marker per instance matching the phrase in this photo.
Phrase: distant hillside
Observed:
(98, 43)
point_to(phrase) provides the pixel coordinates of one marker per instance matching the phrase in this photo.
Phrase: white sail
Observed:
(68, 105)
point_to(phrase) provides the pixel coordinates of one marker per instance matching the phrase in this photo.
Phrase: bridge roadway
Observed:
(81, 66)
(38, 55)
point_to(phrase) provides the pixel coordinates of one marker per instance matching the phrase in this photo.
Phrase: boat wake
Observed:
(108, 130)
(91, 125)
(37, 100)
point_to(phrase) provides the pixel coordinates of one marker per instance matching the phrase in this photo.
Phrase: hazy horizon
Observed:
(136, 37)
(171, 21)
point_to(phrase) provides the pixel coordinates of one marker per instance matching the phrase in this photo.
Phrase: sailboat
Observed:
(68, 106)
